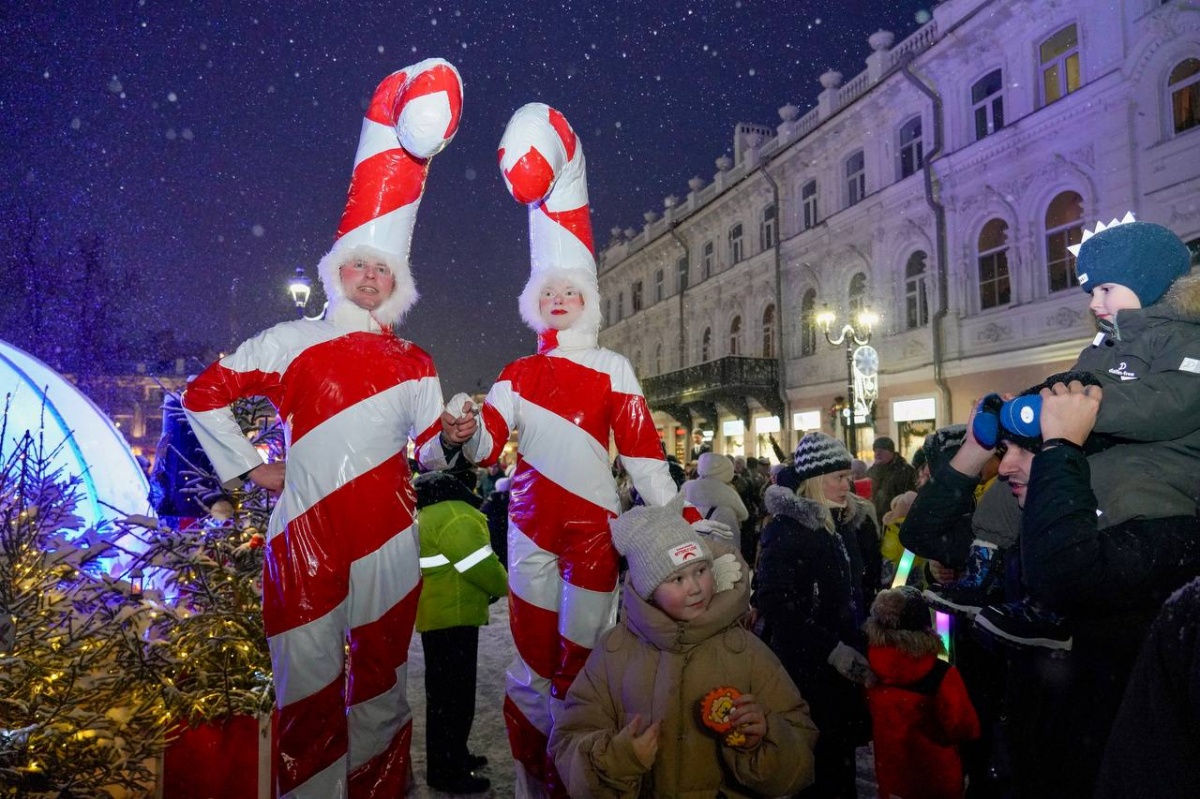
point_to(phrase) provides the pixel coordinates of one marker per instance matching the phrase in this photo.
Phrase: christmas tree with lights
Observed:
(100, 666)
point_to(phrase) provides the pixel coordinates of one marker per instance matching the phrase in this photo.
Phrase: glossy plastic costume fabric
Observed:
(342, 550)
(565, 402)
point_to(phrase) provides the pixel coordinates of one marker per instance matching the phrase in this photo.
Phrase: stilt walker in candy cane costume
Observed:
(342, 550)
(565, 402)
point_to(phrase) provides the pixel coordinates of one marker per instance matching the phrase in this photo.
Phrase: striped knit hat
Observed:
(818, 454)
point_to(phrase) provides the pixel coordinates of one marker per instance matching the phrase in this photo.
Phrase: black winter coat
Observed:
(812, 588)
(1109, 583)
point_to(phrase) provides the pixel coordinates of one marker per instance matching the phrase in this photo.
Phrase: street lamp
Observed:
(300, 287)
(857, 334)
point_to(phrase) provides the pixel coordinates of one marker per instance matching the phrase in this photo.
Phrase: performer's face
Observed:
(367, 283)
(560, 304)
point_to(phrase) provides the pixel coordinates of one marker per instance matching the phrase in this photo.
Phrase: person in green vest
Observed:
(461, 577)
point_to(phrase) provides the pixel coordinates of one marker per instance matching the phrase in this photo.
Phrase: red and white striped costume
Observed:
(565, 403)
(342, 550)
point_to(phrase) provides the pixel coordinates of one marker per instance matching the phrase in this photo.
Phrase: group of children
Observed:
(638, 721)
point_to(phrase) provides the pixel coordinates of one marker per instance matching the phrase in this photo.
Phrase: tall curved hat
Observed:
(413, 114)
(542, 161)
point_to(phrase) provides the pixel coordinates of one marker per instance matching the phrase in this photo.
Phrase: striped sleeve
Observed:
(497, 421)
(254, 369)
(637, 438)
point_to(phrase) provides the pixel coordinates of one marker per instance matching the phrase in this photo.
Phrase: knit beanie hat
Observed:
(788, 478)
(885, 443)
(1141, 256)
(818, 454)
(942, 444)
(718, 467)
(656, 542)
(1034, 443)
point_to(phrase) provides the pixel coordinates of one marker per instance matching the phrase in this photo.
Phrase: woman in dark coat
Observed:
(818, 570)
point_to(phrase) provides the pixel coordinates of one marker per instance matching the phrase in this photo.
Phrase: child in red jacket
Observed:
(919, 708)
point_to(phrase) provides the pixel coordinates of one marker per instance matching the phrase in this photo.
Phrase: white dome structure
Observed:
(83, 440)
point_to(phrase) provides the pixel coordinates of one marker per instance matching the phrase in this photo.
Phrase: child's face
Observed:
(560, 304)
(1108, 298)
(686, 594)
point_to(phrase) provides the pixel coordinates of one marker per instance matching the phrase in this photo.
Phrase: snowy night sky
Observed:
(210, 145)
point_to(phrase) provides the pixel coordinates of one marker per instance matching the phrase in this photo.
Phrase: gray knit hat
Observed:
(656, 542)
(818, 454)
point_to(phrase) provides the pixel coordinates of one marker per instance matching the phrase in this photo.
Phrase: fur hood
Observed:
(345, 313)
(708, 492)
(1181, 303)
(588, 322)
(780, 501)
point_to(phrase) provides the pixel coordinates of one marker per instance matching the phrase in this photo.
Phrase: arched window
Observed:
(735, 336)
(768, 332)
(857, 294)
(808, 323)
(766, 228)
(1064, 227)
(735, 243)
(994, 287)
(808, 199)
(912, 155)
(856, 178)
(658, 361)
(1059, 57)
(916, 291)
(1184, 88)
(706, 345)
(987, 104)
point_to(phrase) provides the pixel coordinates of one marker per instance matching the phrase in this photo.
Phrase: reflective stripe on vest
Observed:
(464, 564)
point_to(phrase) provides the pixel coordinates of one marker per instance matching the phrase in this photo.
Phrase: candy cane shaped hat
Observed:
(542, 161)
(413, 114)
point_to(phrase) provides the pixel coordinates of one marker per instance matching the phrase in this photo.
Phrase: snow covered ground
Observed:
(488, 736)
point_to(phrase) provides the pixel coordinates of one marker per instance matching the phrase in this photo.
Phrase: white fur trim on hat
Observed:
(392, 310)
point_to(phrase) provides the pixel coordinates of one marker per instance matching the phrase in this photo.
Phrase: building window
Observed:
(808, 323)
(735, 243)
(916, 291)
(681, 268)
(1064, 227)
(766, 229)
(987, 104)
(620, 305)
(735, 336)
(994, 288)
(808, 199)
(658, 286)
(768, 332)
(1184, 87)
(710, 257)
(706, 345)
(607, 311)
(856, 178)
(912, 156)
(658, 364)
(1060, 64)
(857, 294)
(635, 297)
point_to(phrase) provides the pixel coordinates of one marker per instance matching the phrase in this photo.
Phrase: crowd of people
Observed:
(728, 627)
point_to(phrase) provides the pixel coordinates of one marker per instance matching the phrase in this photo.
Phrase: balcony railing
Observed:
(726, 382)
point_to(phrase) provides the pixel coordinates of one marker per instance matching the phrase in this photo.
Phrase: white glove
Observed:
(713, 528)
(726, 572)
(455, 406)
(851, 664)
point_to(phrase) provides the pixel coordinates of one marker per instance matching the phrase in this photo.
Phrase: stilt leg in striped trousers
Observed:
(559, 604)
(345, 726)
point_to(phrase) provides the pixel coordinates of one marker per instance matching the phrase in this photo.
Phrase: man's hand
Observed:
(1069, 411)
(748, 718)
(971, 456)
(645, 741)
(458, 429)
(269, 476)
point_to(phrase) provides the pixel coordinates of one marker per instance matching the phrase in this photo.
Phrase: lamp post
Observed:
(857, 334)
(300, 287)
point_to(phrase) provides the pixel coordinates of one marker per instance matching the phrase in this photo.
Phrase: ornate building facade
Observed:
(939, 189)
